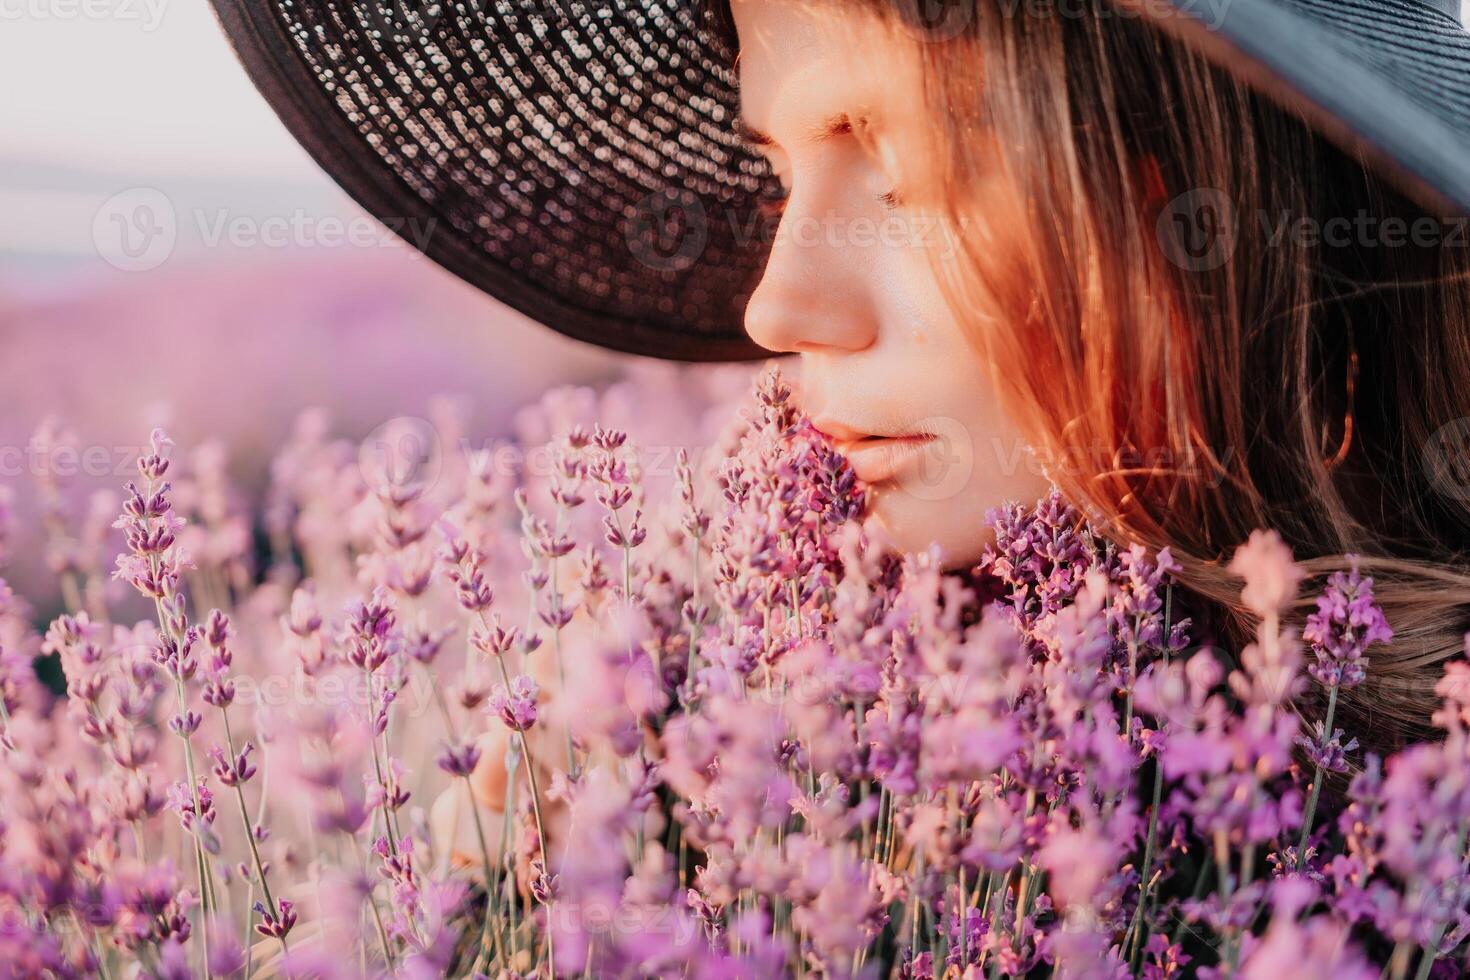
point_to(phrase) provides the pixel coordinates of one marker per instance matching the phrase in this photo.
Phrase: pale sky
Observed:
(139, 86)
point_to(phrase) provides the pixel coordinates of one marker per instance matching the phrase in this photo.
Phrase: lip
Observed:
(839, 432)
(874, 456)
(878, 458)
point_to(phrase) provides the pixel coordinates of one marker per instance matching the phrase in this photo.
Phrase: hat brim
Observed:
(1388, 80)
(532, 149)
(639, 240)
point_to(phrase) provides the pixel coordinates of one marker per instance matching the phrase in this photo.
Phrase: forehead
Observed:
(802, 61)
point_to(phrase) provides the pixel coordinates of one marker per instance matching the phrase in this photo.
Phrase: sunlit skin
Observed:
(831, 98)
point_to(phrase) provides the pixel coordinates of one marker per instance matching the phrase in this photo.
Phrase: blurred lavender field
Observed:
(170, 257)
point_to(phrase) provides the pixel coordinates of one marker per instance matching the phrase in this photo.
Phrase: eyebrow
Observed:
(837, 124)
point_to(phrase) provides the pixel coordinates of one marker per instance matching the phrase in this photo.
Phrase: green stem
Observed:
(206, 883)
(265, 887)
(485, 933)
(378, 767)
(535, 809)
(1429, 952)
(694, 625)
(1144, 885)
(561, 670)
(1301, 847)
(1132, 683)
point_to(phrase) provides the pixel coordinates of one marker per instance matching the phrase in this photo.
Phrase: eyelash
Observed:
(775, 207)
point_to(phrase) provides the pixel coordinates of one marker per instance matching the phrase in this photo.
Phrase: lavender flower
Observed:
(1347, 621)
(459, 760)
(761, 744)
(276, 925)
(516, 705)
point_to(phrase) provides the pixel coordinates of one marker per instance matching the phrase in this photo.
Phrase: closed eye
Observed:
(773, 206)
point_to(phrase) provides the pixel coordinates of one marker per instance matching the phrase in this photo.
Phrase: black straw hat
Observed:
(578, 159)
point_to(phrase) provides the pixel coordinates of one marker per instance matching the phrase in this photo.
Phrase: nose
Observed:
(814, 295)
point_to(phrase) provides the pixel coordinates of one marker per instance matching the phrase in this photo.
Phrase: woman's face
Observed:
(832, 98)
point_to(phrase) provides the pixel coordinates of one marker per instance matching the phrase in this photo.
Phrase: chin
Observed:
(912, 525)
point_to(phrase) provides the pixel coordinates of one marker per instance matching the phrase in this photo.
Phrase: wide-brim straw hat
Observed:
(579, 160)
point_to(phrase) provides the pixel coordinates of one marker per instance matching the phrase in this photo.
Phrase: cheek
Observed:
(979, 459)
(929, 373)
(904, 277)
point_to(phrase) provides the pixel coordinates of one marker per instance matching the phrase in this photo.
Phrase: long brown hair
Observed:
(1190, 362)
